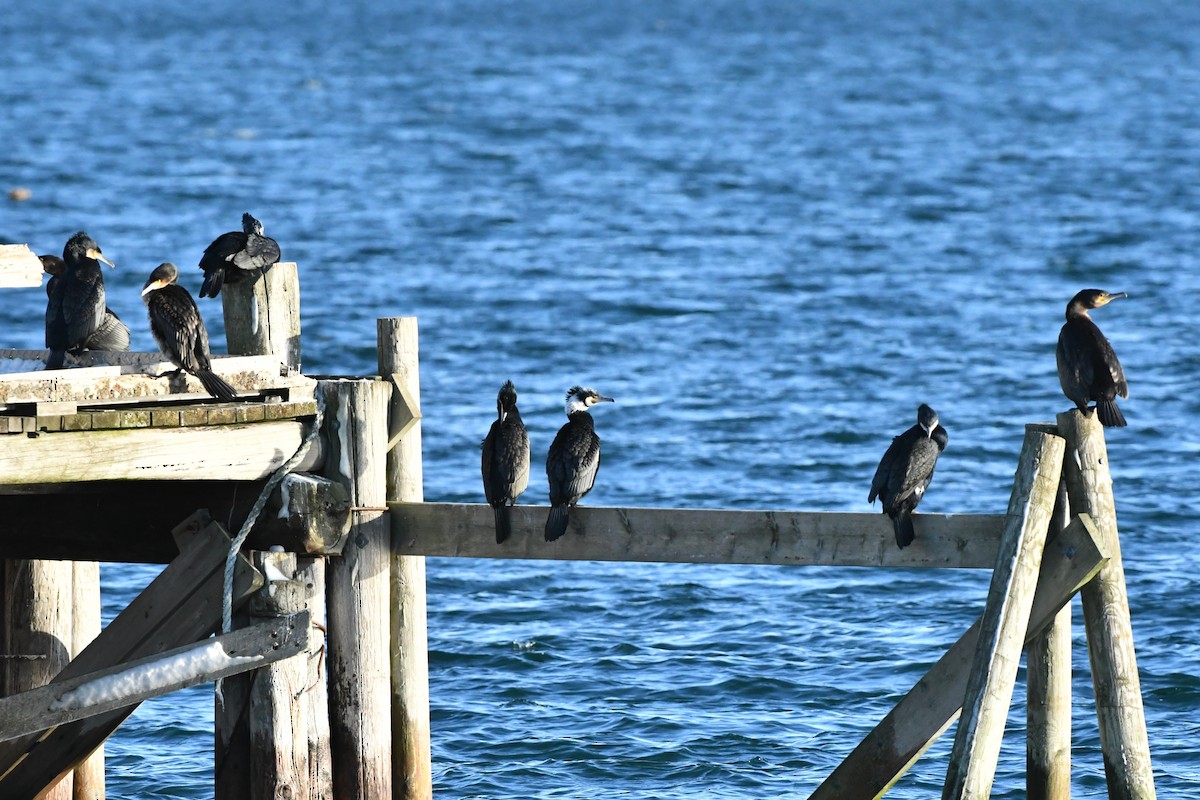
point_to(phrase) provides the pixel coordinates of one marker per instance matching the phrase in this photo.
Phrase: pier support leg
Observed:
(412, 763)
(1048, 707)
(262, 317)
(1005, 619)
(85, 622)
(359, 593)
(38, 630)
(1122, 720)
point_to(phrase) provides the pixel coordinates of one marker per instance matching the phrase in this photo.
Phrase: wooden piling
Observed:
(1123, 737)
(1005, 620)
(263, 316)
(1048, 702)
(39, 596)
(359, 593)
(85, 626)
(411, 754)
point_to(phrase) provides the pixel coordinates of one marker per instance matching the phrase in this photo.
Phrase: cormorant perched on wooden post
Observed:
(505, 460)
(233, 254)
(112, 335)
(1088, 368)
(906, 469)
(179, 330)
(573, 460)
(75, 309)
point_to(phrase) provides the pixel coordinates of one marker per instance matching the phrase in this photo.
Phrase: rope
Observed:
(256, 509)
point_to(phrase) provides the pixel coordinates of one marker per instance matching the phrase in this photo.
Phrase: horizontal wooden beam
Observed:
(19, 267)
(138, 680)
(713, 536)
(140, 377)
(131, 521)
(1071, 560)
(216, 453)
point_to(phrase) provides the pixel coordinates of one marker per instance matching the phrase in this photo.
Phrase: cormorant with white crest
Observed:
(505, 460)
(573, 460)
(906, 469)
(1088, 368)
(75, 309)
(179, 330)
(232, 255)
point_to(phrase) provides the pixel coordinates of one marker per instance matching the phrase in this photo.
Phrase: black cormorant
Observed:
(233, 254)
(573, 460)
(75, 309)
(906, 469)
(179, 330)
(112, 335)
(1088, 368)
(505, 459)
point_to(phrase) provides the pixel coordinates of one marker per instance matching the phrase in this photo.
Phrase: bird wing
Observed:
(879, 484)
(490, 483)
(83, 304)
(572, 464)
(911, 476)
(222, 250)
(258, 252)
(515, 443)
(176, 324)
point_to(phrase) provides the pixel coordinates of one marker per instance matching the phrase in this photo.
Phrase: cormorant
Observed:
(906, 469)
(1088, 368)
(505, 459)
(573, 460)
(75, 309)
(112, 335)
(235, 253)
(177, 327)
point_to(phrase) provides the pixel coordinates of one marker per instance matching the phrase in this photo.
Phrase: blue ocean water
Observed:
(768, 229)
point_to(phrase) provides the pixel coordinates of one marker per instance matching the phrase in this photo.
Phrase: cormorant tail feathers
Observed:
(211, 287)
(214, 385)
(904, 528)
(503, 523)
(1110, 414)
(556, 523)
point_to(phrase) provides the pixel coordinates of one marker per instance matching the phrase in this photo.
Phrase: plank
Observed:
(263, 315)
(19, 267)
(713, 536)
(1005, 620)
(132, 682)
(1119, 711)
(233, 452)
(929, 708)
(181, 605)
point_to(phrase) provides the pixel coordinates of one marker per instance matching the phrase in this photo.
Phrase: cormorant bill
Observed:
(1088, 368)
(177, 327)
(505, 460)
(235, 253)
(75, 308)
(906, 469)
(573, 460)
(112, 335)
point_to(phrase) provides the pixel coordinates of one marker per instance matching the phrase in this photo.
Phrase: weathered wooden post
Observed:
(1118, 690)
(398, 363)
(359, 592)
(1048, 704)
(39, 596)
(1005, 620)
(85, 624)
(263, 316)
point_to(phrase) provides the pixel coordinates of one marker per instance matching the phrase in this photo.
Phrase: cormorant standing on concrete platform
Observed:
(505, 460)
(75, 309)
(233, 254)
(1088, 368)
(177, 327)
(112, 335)
(573, 460)
(906, 469)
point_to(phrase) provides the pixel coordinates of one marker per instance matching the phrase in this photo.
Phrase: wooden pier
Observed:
(323, 688)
